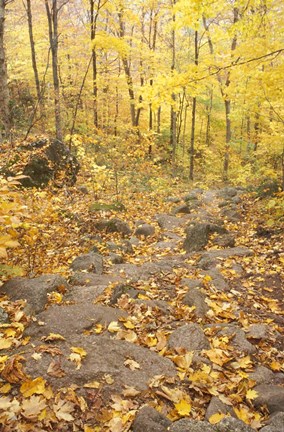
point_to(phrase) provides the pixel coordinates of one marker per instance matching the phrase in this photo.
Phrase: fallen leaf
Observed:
(183, 408)
(63, 409)
(31, 387)
(216, 418)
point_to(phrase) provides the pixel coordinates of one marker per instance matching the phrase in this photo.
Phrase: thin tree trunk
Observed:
(5, 117)
(208, 123)
(94, 18)
(33, 53)
(193, 115)
(52, 16)
(126, 67)
(159, 115)
(173, 141)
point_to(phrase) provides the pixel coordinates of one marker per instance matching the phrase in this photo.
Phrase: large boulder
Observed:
(91, 262)
(34, 291)
(113, 225)
(150, 420)
(197, 235)
(189, 336)
(271, 396)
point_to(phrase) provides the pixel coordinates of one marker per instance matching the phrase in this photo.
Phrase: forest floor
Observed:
(140, 320)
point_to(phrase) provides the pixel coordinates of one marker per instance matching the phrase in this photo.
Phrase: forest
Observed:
(141, 192)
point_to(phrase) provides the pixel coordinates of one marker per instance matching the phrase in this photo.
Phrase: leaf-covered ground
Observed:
(57, 226)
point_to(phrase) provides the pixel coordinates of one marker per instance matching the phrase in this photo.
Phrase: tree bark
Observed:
(52, 17)
(33, 53)
(173, 141)
(94, 18)
(193, 114)
(5, 117)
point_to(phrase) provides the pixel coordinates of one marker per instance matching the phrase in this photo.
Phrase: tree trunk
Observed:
(208, 123)
(94, 18)
(173, 141)
(52, 16)
(33, 53)
(5, 117)
(193, 114)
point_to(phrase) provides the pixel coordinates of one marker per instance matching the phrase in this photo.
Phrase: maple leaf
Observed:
(63, 409)
(53, 337)
(251, 394)
(132, 364)
(32, 408)
(183, 408)
(31, 387)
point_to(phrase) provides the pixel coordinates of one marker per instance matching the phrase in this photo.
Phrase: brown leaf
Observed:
(55, 369)
(13, 370)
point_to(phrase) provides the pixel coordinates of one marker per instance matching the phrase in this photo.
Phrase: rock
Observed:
(192, 196)
(125, 247)
(4, 317)
(192, 283)
(271, 396)
(87, 293)
(115, 258)
(231, 214)
(34, 291)
(217, 406)
(113, 225)
(262, 375)
(184, 208)
(197, 235)
(145, 230)
(210, 258)
(98, 206)
(186, 425)
(238, 340)
(276, 423)
(69, 320)
(195, 297)
(218, 280)
(230, 424)
(174, 200)
(227, 192)
(189, 336)
(258, 331)
(121, 290)
(169, 222)
(105, 356)
(91, 279)
(91, 262)
(83, 189)
(162, 305)
(150, 420)
(225, 240)
(164, 245)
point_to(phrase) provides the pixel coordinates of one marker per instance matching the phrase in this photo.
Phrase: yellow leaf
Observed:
(4, 389)
(98, 328)
(251, 394)
(77, 350)
(129, 325)
(63, 410)
(92, 384)
(53, 337)
(31, 387)
(3, 252)
(242, 414)
(216, 418)
(5, 343)
(113, 327)
(183, 408)
(76, 358)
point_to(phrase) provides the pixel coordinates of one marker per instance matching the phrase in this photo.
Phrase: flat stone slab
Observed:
(105, 357)
(190, 337)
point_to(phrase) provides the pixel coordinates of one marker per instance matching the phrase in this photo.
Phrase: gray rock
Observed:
(195, 297)
(262, 375)
(163, 245)
(231, 214)
(183, 208)
(4, 317)
(91, 279)
(192, 283)
(258, 331)
(150, 420)
(121, 290)
(189, 336)
(217, 406)
(227, 192)
(105, 356)
(271, 396)
(239, 340)
(191, 196)
(218, 280)
(186, 425)
(210, 258)
(116, 258)
(91, 262)
(145, 230)
(89, 293)
(169, 222)
(276, 423)
(69, 320)
(174, 200)
(113, 225)
(230, 424)
(34, 291)
(225, 240)
(162, 305)
(197, 235)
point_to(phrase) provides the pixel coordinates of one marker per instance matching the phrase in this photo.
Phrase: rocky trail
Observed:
(187, 338)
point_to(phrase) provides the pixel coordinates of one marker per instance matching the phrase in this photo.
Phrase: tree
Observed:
(5, 116)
